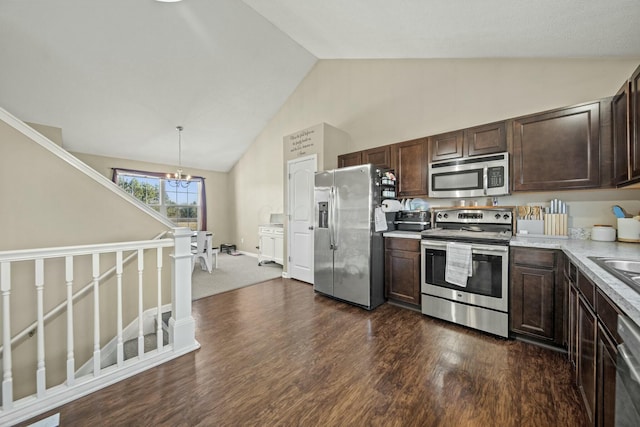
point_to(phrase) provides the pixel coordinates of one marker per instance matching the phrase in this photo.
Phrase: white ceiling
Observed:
(118, 76)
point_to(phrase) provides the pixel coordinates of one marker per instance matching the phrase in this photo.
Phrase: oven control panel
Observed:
(475, 216)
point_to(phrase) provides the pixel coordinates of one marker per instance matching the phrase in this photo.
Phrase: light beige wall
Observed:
(378, 102)
(216, 186)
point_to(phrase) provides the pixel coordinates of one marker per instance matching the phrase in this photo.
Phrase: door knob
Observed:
(311, 227)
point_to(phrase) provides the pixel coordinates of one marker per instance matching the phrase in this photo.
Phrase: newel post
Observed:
(181, 323)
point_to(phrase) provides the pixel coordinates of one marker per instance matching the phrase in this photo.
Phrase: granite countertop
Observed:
(403, 234)
(578, 252)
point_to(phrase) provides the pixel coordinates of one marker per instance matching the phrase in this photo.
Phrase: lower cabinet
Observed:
(402, 270)
(592, 347)
(586, 377)
(606, 379)
(536, 295)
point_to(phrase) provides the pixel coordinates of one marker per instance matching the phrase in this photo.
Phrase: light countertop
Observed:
(578, 252)
(403, 234)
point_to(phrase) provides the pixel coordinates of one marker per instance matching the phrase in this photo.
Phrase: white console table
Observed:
(271, 243)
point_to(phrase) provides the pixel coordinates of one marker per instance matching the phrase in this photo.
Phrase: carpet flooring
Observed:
(233, 272)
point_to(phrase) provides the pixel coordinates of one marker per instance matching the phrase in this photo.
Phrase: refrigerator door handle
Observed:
(331, 218)
(334, 213)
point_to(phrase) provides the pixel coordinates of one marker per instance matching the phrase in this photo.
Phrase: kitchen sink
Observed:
(624, 265)
(627, 270)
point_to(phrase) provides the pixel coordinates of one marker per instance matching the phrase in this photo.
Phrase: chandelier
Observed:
(178, 179)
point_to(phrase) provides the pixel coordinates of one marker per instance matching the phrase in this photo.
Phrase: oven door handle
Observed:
(430, 244)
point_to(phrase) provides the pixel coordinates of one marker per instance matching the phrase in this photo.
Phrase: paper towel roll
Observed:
(390, 205)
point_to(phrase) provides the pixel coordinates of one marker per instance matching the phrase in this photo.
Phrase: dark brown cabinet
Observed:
(592, 345)
(557, 150)
(625, 110)
(586, 376)
(537, 296)
(350, 159)
(634, 151)
(402, 270)
(621, 119)
(486, 139)
(379, 156)
(446, 146)
(606, 380)
(410, 162)
(476, 141)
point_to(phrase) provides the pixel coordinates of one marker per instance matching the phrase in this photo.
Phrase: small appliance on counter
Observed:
(412, 220)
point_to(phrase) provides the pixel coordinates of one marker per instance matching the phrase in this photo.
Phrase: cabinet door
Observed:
(532, 302)
(379, 156)
(446, 146)
(486, 139)
(267, 247)
(635, 132)
(557, 150)
(606, 391)
(411, 163)
(620, 118)
(402, 276)
(572, 342)
(278, 249)
(350, 159)
(587, 329)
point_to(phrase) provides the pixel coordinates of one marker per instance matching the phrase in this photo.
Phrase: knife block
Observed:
(556, 224)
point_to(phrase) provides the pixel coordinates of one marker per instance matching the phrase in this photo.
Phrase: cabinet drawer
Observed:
(535, 257)
(587, 288)
(400, 244)
(608, 314)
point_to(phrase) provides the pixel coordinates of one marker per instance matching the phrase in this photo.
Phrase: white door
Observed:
(301, 217)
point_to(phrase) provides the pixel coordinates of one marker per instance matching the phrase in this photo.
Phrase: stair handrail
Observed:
(29, 330)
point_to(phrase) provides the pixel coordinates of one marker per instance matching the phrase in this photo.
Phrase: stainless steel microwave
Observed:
(470, 177)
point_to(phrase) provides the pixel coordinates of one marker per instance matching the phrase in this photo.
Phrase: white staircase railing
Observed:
(181, 328)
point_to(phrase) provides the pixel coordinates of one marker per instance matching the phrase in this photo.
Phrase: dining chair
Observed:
(204, 251)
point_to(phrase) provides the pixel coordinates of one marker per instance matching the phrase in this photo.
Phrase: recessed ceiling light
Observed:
(168, 1)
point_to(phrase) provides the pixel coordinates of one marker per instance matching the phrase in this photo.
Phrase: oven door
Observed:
(487, 286)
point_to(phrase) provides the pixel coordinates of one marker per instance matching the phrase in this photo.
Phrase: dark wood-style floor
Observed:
(277, 354)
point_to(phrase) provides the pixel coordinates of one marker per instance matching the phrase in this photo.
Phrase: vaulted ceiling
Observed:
(118, 76)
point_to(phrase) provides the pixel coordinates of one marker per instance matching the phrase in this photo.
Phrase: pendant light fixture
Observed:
(177, 179)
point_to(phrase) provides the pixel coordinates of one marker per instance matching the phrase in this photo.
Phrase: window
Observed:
(180, 201)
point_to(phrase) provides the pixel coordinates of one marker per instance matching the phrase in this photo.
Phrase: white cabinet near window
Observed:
(271, 241)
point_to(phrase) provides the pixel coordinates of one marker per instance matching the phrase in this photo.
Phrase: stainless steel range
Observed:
(465, 268)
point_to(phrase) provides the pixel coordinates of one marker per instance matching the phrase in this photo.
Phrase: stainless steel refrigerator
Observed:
(348, 252)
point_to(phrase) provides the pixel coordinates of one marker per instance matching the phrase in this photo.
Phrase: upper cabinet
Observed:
(379, 156)
(634, 150)
(350, 159)
(621, 119)
(557, 150)
(476, 141)
(625, 111)
(446, 145)
(410, 160)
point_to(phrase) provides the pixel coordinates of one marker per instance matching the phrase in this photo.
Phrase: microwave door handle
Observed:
(485, 178)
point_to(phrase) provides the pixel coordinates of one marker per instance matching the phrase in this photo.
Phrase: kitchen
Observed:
(558, 294)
